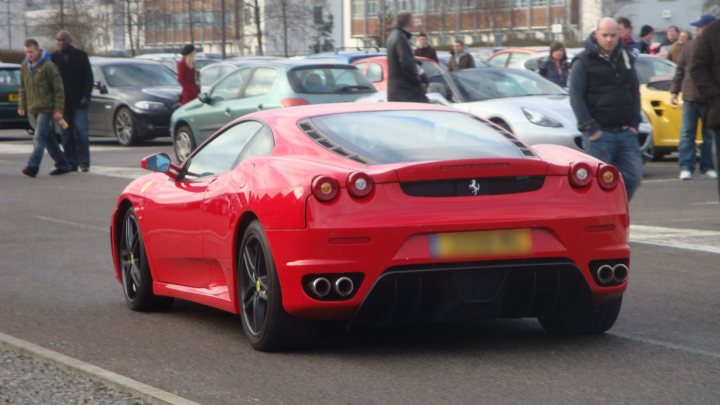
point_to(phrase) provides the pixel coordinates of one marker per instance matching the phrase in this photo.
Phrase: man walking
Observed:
(692, 110)
(41, 95)
(705, 72)
(424, 49)
(77, 77)
(605, 97)
(404, 82)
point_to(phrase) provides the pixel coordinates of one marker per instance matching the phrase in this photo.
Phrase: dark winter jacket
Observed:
(41, 87)
(404, 83)
(682, 80)
(427, 52)
(705, 72)
(604, 93)
(77, 76)
(548, 70)
(462, 61)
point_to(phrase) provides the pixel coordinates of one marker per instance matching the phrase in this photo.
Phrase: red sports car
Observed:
(375, 214)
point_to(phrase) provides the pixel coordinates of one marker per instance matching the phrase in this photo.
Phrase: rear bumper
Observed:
(394, 241)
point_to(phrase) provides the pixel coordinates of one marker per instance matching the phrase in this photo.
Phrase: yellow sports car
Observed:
(666, 119)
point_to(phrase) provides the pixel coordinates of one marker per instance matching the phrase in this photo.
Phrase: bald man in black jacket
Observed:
(404, 81)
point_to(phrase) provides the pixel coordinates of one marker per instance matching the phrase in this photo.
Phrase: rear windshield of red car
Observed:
(383, 137)
(329, 80)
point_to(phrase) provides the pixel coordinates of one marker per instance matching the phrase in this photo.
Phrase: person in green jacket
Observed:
(42, 96)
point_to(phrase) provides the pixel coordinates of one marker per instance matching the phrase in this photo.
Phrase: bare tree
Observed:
(254, 8)
(385, 22)
(612, 8)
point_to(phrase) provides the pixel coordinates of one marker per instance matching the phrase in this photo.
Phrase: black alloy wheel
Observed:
(267, 326)
(135, 270)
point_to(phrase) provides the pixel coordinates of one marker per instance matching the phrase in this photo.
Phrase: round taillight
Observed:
(580, 175)
(325, 188)
(359, 184)
(608, 177)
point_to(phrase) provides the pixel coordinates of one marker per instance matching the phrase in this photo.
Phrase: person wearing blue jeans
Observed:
(76, 141)
(605, 97)
(41, 95)
(44, 138)
(692, 112)
(77, 77)
(694, 107)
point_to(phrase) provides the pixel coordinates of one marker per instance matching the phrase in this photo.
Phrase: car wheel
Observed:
(590, 321)
(184, 143)
(125, 127)
(267, 326)
(656, 154)
(135, 270)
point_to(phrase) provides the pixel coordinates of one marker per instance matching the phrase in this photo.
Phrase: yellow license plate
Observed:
(510, 242)
(13, 97)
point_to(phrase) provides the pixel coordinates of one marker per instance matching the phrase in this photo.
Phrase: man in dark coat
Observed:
(77, 77)
(705, 72)
(424, 49)
(404, 82)
(461, 58)
(605, 97)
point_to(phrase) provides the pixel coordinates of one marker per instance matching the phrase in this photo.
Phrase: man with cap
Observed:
(705, 72)
(694, 107)
(646, 37)
(186, 74)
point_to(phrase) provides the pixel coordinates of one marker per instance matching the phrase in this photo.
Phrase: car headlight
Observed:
(541, 119)
(149, 105)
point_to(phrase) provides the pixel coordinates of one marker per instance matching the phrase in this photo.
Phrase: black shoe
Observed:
(58, 172)
(29, 172)
(73, 168)
(84, 169)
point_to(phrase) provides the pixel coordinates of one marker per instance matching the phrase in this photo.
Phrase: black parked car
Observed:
(132, 99)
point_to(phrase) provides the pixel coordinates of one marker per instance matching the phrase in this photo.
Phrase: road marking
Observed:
(116, 171)
(113, 380)
(668, 345)
(60, 221)
(26, 149)
(691, 239)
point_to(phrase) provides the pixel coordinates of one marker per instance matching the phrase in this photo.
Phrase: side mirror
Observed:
(161, 163)
(204, 98)
(101, 87)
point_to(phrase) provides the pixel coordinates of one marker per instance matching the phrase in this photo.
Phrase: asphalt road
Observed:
(57, 290)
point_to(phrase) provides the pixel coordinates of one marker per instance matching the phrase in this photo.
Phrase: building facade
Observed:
(474, 21)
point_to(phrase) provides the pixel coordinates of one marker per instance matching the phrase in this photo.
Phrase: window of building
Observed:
(318, 15)
(520, 4)
(539, 3)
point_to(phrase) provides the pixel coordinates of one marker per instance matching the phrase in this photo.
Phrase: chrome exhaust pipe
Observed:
(344, 286)
(320, 287)
(620, 273)
(605, 274)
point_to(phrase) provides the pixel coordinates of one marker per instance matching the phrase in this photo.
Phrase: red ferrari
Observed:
(375, 214)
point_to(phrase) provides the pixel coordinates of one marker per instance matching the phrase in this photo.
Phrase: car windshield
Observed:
(9, 79)
(487, 84)
(411, 136)
(649, 67)
(329, 80)
(138, 75)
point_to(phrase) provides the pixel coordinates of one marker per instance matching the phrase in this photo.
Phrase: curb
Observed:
(113, 380)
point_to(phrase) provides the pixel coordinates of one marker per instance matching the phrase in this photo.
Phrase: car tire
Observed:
(266, 324)
(594, 320)
(125, 127)
(183, 143)
(135, 269)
